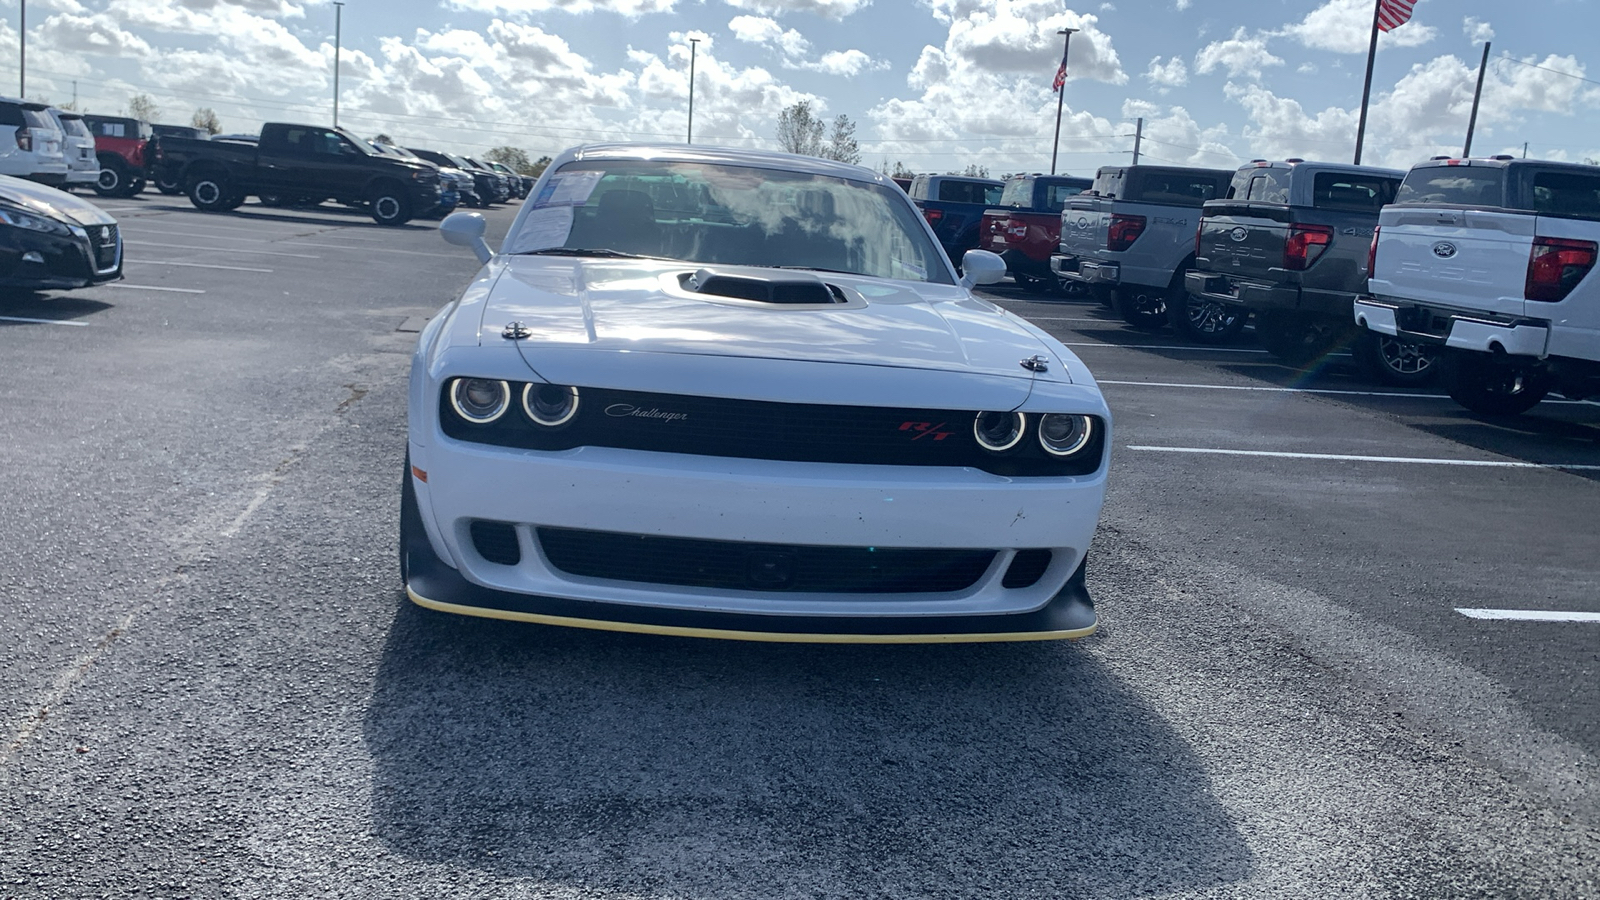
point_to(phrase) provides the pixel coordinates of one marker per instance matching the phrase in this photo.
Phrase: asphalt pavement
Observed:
(211, 684)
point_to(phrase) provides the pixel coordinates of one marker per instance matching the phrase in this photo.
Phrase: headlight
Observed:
(479, 400)
(550, 405)
(32, 222)
(1061, 434)
(999, 431)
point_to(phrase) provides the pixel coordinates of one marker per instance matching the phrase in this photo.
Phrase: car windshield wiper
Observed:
(582, 251)
(816, 269)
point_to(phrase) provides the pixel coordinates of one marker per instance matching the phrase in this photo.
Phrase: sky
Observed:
(934, 85)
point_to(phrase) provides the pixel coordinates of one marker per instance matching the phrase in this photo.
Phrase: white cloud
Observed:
(1239, 55)
(1172, 135)
(794, 48)
(100, 34)
(844, 63)
(828, 9)
(630, 8)
(1019, 36)
(1477, 31)
(1170, 74)
(755, 29)
(1181, 4)
(1345, 26)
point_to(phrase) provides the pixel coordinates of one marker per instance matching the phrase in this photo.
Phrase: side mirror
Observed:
(465, 229)
(977, 267)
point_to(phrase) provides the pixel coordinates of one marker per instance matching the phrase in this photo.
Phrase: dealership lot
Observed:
(212, 685)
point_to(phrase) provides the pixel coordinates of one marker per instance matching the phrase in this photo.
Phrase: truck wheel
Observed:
(1299, 339)
(1392, 361)
(1103, 294)
(390, 206)
(1493, 387)
(210, 192)
(1034, 285)
(135, 187)
(275, 200)
(1204, 321)
(1145, 308)
(113, 179)
(234, 201)
(169, 184)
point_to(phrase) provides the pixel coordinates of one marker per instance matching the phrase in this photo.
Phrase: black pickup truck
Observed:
(306, 161)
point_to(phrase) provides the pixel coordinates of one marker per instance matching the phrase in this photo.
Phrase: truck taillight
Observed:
(24, 140)
(1555, 266)
(1124, 230)
(933, 215)
(1305, 245)
(1372, 253)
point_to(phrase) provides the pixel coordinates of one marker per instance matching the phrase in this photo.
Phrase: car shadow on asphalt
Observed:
(49, 307)
(670, 767)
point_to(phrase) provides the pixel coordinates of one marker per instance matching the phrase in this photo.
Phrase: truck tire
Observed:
(210, 192)
(1298, 339)
(135, 187)
(169, 184)
(1395, 362)
(113, 179)
(1143, 307)
(1033, 284)
(1491, 386)
(390, 205)
(1204, 321)
(234, 201)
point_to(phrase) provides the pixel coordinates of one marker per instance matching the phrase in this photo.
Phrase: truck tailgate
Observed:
(1462, 258)
(1241, 242)
(1084, 223)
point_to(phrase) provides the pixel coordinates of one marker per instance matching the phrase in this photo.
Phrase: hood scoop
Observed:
(764, 286)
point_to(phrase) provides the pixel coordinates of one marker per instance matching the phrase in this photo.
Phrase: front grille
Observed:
(737, 565)
(496, 541)
(1026, 568)
(751, 429)
(107, 246)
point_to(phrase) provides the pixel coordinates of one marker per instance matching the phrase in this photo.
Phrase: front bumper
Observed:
(663, 495)
(40, 261)
(1482, 332)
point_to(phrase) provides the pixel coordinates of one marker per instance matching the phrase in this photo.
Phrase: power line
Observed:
(1509, 58)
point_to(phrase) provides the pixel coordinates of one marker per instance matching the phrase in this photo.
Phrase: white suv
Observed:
(30, 142)
(83, 167)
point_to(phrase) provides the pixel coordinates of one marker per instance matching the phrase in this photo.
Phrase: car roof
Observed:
(1311, 164)
(1505, 163)
(734, 156)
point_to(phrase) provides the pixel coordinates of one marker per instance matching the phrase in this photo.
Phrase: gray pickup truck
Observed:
(1290, 244)
(1130, 238)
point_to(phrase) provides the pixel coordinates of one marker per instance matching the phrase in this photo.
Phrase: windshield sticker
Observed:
(542, 229)
(917, 271)
(568, 190)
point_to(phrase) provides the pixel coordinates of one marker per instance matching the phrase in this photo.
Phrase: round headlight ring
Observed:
(1065, 434)
(550, 405)
(480, 400)
(998, 432)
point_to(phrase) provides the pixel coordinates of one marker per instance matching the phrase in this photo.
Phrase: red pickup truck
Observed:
(1025, 229)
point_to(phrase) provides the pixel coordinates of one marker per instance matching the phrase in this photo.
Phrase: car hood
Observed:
(640, 306)
(52, 202)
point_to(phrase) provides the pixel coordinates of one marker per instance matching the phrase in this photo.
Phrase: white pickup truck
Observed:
(1493, 259)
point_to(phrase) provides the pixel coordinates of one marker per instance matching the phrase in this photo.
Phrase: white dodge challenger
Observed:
(744, 395)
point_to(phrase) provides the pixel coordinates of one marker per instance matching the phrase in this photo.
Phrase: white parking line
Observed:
(162, 262)
(221, 249)
(149, 287)
(288, 229)
(1273, 390)
(1529, 615)
(1199, 347)
(152, 232)
(41, 321)
(1347, 457)
(300, 243)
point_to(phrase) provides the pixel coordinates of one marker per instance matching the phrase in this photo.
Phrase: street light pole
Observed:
(22, 55)
(338, 23)
(694, 44)
(1061, 92)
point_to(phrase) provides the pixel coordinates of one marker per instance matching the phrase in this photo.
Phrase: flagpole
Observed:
(1366, 89)
(1066, 45)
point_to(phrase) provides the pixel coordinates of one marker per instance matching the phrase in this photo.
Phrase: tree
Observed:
(514, 158)
(538, 167)
(206, 117)
(381, 138)
(842, 144)
(973, 170)
(799, 131)
(900, 170)
(143, 108)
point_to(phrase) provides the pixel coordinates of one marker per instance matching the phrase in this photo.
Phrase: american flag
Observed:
(1391, 14)
(1061, 73)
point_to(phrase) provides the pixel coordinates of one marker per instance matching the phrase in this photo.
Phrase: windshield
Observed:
(74, 126)
(730, 215)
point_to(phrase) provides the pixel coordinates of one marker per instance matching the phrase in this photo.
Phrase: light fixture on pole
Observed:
(338, 22)
(1061, 92)
(694, 44)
